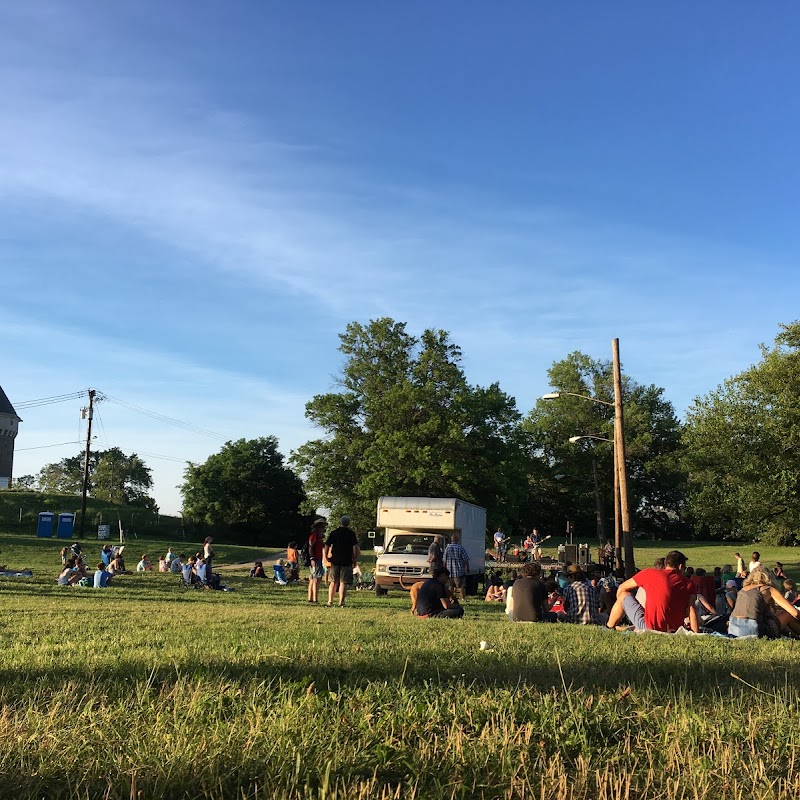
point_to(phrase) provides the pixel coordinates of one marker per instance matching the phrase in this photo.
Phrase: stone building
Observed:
(9, 426)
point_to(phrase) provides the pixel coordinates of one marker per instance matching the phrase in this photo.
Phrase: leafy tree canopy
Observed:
(564, 484)
(405, 421)
(743, 448)
(113, 476)
(247, 489)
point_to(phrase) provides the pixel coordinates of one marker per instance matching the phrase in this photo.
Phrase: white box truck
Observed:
(409, 525)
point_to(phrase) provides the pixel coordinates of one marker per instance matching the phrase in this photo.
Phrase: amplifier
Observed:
(571, 553)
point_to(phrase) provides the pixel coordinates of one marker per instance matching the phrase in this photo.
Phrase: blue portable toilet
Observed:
(45, 526)
(66, 522)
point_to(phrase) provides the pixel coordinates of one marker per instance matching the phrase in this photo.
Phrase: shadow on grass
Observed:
(708, 673)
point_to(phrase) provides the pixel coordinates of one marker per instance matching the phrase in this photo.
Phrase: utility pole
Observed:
(598, 501)
(90, 416)
(622, 471)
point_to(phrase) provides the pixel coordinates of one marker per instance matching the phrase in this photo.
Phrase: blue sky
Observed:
(196, 198)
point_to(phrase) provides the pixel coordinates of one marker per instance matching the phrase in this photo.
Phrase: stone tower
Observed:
(9, 425)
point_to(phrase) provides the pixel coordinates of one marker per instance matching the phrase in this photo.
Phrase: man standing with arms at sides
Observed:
(456, 560)
(342, 551)
(670, 598)
(436, 554)
(316, 543)
(433, 600)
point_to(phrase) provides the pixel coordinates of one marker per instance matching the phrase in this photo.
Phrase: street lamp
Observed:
(622, 514)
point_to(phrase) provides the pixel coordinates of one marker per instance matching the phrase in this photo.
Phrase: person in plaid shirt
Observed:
(457, 562)
(581, 604)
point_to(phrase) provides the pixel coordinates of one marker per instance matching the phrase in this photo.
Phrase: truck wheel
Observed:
(380, 591)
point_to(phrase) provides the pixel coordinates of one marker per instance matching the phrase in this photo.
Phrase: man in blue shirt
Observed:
(101, 577)
(456, 560)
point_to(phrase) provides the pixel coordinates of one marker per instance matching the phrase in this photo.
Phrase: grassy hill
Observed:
(19, 512)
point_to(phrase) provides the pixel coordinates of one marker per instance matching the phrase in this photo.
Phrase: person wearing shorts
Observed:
(457, 562)
(342, 551)
(315, 550)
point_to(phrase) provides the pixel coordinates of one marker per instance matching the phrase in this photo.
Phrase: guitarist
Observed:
(501, 544)
(538, 540)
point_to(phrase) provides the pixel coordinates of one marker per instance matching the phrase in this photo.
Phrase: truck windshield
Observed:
(410, 544)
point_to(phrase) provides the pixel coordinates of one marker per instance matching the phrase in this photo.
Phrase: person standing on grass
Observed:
(436, 554)
(208, 557)
(315, 551)
(670, 598)
(456, 560)
(342, 551)
(433, 599)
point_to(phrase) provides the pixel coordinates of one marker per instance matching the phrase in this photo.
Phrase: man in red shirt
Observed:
(669, 598)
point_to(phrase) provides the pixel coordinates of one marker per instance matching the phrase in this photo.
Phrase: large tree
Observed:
(406, 422)
(743, 448)
(565, 476)
(247, 490)
(113, 476)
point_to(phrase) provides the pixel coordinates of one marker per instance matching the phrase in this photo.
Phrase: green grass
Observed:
(150, 690)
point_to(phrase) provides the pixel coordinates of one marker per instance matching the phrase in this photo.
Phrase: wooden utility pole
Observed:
(598, 502)
(90, 416)
(622, 471)
(617, 516)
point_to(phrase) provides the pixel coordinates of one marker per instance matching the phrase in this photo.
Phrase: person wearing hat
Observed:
(342, 550)
(316, 543)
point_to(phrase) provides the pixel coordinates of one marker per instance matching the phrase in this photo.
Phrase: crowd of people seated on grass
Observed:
(193, 571)
(668, 597)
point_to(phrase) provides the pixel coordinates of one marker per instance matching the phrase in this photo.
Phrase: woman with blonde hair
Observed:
(758, 603)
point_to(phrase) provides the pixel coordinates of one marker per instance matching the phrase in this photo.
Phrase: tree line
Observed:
(404, 420)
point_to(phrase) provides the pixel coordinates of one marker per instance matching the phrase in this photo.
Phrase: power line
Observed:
(165, 419)
(43, 446)
(46, 401)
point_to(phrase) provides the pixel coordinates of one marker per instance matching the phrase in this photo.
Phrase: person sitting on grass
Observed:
(117, 565)
(279, 573)
(176, 565)
(163, 566)
(581, 604)
(761, 610)
(433, 598)
(101, 576)
(555, 599)
(731, 592)
(670, 598)
(106, 554)
(201, 570)
(70, 575)
(258, 570)
(529, 596)
(496, 593)
(170, 556)
(145, 565)
(790, 592)
(188, 572)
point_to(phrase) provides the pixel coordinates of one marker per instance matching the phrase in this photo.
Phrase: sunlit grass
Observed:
(148, 690)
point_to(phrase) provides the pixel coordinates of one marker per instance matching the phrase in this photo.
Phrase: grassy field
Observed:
(151, 690)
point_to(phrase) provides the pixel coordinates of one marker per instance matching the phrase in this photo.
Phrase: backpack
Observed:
(305, 554)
